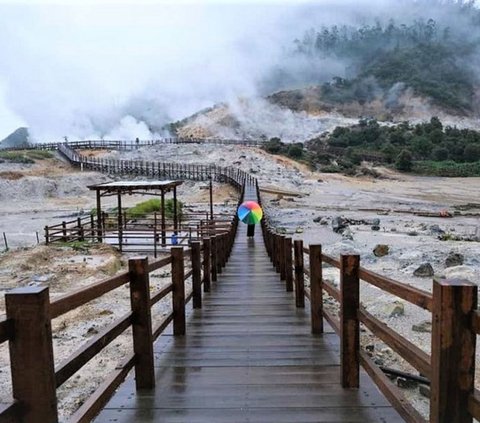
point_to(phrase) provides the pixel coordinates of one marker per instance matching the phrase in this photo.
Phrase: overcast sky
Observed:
(85, 68)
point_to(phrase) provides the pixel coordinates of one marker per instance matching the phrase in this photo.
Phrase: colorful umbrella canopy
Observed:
(250, 212)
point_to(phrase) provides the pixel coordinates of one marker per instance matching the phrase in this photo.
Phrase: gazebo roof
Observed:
(127, 187)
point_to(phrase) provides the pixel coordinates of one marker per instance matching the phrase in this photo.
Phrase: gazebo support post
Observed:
(99, 216)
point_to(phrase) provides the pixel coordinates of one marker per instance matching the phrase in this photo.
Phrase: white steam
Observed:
(125, 70)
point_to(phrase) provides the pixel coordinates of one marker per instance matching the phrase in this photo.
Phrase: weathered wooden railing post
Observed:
(283, 272)
(288, 265)
(178, 292)
(299, 276)
(316, 290)
(64, 231)
(213, 247)
(80, 230)
(141, 322)
(349, 323)
(31, 354)
(273, 257)
(196, 274)
(47, 236)
(207, 265)
(453, 350)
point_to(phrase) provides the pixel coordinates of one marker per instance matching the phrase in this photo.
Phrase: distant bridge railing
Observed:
(132, 144)
(450, 369)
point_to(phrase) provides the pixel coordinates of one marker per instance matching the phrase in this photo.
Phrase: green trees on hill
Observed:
(431, 59)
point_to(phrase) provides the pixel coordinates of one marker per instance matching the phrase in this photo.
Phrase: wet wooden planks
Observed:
(248, 356)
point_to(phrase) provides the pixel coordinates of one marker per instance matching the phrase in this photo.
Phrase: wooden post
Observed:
(288, 265)
(80, 230)
(316, 290)
(119, 220)
(299, 276)
(164, 232)
(178, 293)
(349, 324)
(453, 350)
(213, 247)
(283, 270)
(64, 231)
(31, 354)
(47, 237)
(196, 275)
(99, 216)
(274, 249)
(206, 264)
(141, 322)
(278, 253)
(175, 211)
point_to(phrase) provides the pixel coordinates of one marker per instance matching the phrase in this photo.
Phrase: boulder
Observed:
(381, 250)
(324, 221)
(412, 233)
(423, 327)
(425, 270)
(376, 221)
(395, 309)
(436, 230)
(338, 224)
(375, 228)
(454, 259)
(317, 219)
(461, 272)
(299, 231)
(406, 383)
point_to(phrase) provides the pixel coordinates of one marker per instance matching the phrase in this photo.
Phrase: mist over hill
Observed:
(288, 70)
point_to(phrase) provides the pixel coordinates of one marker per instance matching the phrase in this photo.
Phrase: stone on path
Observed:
(424, 270)
(381, 250)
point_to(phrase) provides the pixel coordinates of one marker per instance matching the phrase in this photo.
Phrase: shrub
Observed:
(154, 205)
(404, 161)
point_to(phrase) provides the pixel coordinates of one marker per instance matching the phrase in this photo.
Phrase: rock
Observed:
(376, 222)
(318, 219)
(406, 383)
(338, 224)
(461, 272)
(435, 229)
(281, 230)
(454, 259)
(424, 391)
(375, 228)
(370, 347)
(299, 231)
(92, 331)
(381, 250)
(424, 270)
(395, 309)
(324, 221)
(347, 234)
(423, 327)
(393, 230)
(412, 233)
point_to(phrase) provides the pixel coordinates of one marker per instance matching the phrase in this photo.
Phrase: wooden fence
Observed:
(132, 144)
(27, 327)
(455, 323)
(138, 235)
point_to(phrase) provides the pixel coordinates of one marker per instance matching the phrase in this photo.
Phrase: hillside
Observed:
(17, 138)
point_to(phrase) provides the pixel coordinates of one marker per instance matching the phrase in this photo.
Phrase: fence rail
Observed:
(131, 144)
(450, 368)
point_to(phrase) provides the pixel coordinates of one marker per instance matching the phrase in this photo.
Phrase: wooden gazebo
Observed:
(120, 188)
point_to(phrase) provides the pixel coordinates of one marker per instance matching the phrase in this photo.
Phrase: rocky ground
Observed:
(344, 214)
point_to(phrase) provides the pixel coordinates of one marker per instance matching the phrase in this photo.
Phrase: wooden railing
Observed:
(27, 327)
(138, 235)
(450, 368)
(132, 144)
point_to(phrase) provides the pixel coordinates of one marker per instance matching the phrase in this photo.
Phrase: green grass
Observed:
(446, 168)
(25, 156)
(154, 205)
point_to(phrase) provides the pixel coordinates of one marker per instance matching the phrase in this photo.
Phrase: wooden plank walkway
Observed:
(248, 356)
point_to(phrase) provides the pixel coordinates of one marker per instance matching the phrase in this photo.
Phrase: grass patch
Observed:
(25, 156)
(447, 168)
(154, 205)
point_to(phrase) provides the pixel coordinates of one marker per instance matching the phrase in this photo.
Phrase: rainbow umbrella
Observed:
(250, 212)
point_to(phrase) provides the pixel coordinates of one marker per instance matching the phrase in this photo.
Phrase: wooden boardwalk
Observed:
(248, 356)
